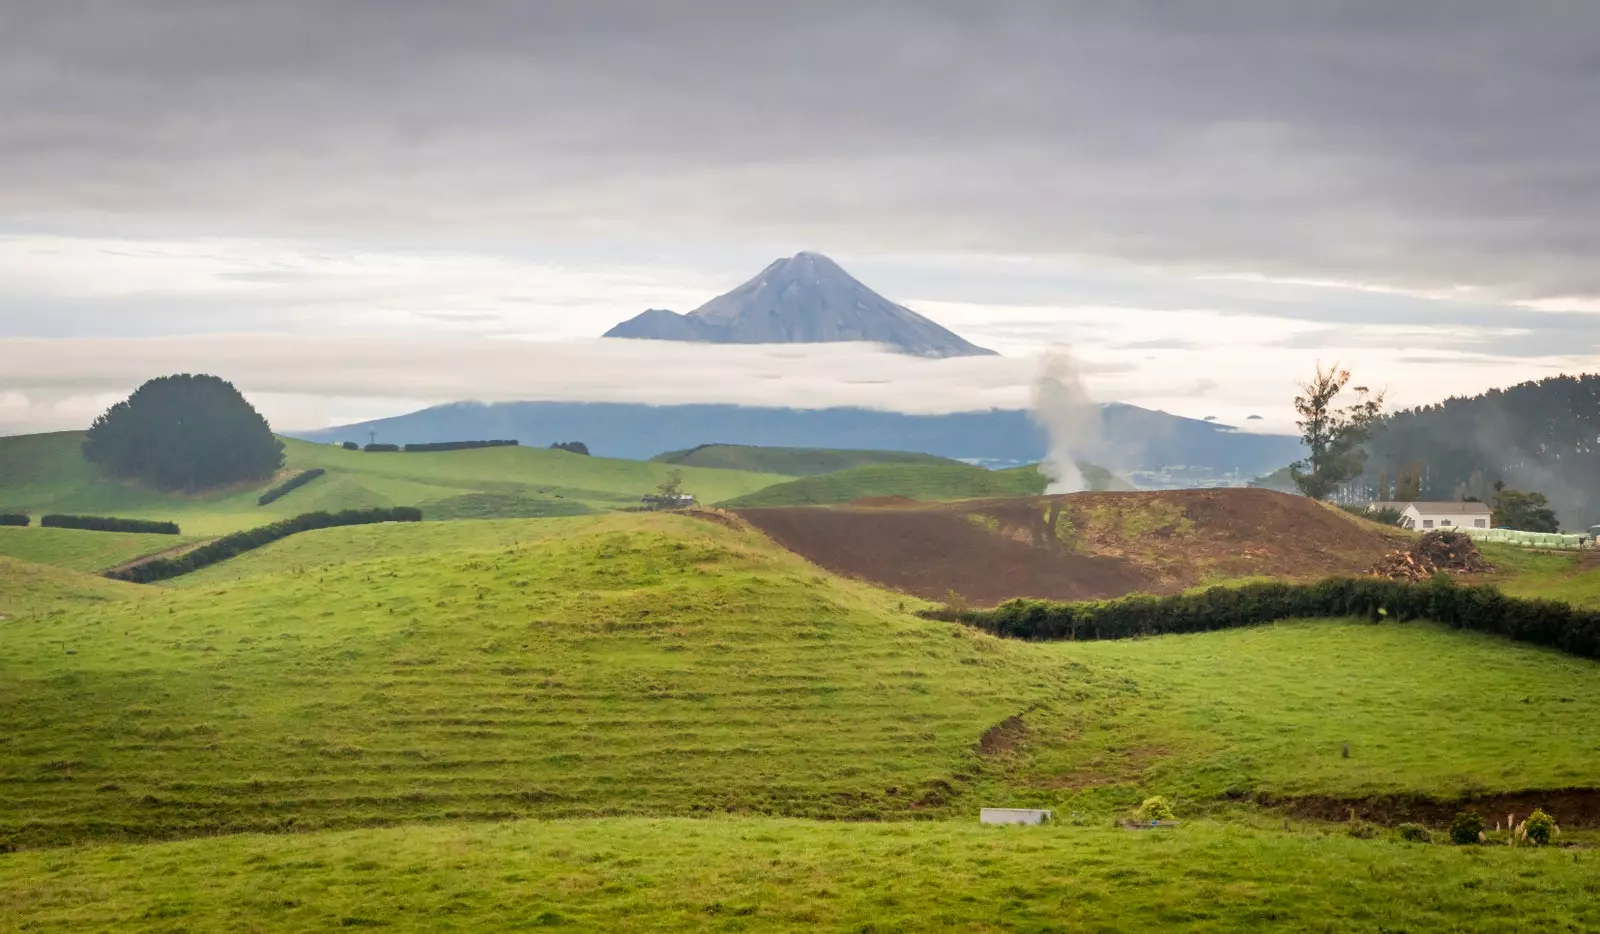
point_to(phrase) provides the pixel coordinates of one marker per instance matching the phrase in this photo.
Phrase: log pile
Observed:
(1435, 551)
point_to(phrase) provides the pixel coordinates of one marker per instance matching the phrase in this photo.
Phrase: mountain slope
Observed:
(804, 299)
(1134, 439)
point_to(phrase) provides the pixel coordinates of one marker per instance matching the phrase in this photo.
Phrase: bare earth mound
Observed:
(1080, 547)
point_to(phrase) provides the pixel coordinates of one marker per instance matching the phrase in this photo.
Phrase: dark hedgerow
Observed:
(14, 518)
(290, 485)
(381, 448)
(109, 524)
(239, 542)
(458, 446)
(351, 446)
(1482, 608)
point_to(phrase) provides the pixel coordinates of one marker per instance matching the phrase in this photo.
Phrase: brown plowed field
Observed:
(1082, 546)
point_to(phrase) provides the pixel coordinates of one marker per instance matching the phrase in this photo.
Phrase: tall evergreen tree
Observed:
(185, 432)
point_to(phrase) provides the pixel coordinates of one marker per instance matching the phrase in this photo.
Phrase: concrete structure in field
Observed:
(1013, 816)
(1427, 517)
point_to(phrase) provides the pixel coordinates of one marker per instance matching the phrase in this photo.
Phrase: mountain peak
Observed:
(804, 298)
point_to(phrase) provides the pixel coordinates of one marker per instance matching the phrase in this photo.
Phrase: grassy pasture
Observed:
(631, 874)
(1574, 578)
(925, 482)
(79, 550)
(47, 473)
(796, 462)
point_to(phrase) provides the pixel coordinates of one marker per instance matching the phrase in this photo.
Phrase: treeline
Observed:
(571, 447)
(1480, 608)
(109, 524)
(184, 432)
(1539, 435)
(14, 518)
(459, 445)
(239, 542)
(290, 485)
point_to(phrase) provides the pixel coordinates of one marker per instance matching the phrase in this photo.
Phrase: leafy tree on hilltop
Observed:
(184, 432)
(1333, 435)
(1525, 512)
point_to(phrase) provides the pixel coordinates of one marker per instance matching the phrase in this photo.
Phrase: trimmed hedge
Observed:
(458, 446)
(239, 542)
(290, 485)
(1481, 608)
(351, 446)
(571, 447)
(14, 518)
(381, 448)
(109, 524)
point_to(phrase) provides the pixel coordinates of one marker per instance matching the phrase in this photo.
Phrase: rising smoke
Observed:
(1063, 408)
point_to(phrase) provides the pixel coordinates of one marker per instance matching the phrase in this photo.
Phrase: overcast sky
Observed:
(356, 208)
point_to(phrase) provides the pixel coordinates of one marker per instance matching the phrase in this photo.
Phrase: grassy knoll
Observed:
(925, 482)
(759, 874)
(39, 590)
(47, 473)
(1268, 709)
(796, 462)
(1573, 577)
(653, 665)
(80, 550)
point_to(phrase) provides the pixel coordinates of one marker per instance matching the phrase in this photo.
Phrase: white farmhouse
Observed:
(1426, 517)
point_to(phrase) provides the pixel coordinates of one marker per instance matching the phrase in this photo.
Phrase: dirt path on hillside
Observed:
(167, 553)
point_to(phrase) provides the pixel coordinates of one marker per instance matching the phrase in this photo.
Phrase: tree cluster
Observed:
(186, 432)
(458, 445)
(1333, 434)
(351, 446)
(290, 485)
(109, 524)
(1542, 435)
(1481, 608)
(14, 518)
(572, 447)
(239, 542)
(1525, 512)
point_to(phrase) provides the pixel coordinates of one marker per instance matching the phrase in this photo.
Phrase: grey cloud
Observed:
(1422, 145)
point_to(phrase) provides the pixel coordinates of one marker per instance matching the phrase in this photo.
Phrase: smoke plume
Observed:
(1062, 407)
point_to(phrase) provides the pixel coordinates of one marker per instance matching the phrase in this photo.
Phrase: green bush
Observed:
(1154, 809)
(290, 485)
(1482, 608)
(239, 542)
(1540, 828)
(350, 446)
(1466, 829)
(14, 518)
(1415, 833)
(1363, 830)
(381, 448)
(457, 446)
(109, 524)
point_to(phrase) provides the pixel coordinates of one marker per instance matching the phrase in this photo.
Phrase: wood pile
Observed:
(1453, 552)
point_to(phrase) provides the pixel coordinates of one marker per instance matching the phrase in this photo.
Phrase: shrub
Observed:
(571, 447)
(109, 524)
(1539, 828)
(457, 446)
(288, 486)
(184, 432)
(1363, 830)
(381, 448)
(1482, 608)
(1154, 809)
(239, 542)
(14, 518)
(1415, 833)
(351, 446)
(1466, 829)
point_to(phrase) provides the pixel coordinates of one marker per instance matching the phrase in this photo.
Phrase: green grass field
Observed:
(80, 550)
(47, 473)
(1574, 578)
(795, 462)
(642, 721)
(924, 482)
(783, 875)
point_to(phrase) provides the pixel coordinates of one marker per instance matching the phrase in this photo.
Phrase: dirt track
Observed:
(1078, 547)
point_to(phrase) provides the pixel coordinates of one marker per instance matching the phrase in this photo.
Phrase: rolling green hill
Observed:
(81, 550)
(46, 473)
(641, 670)
(795, 462)
(926, 482)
